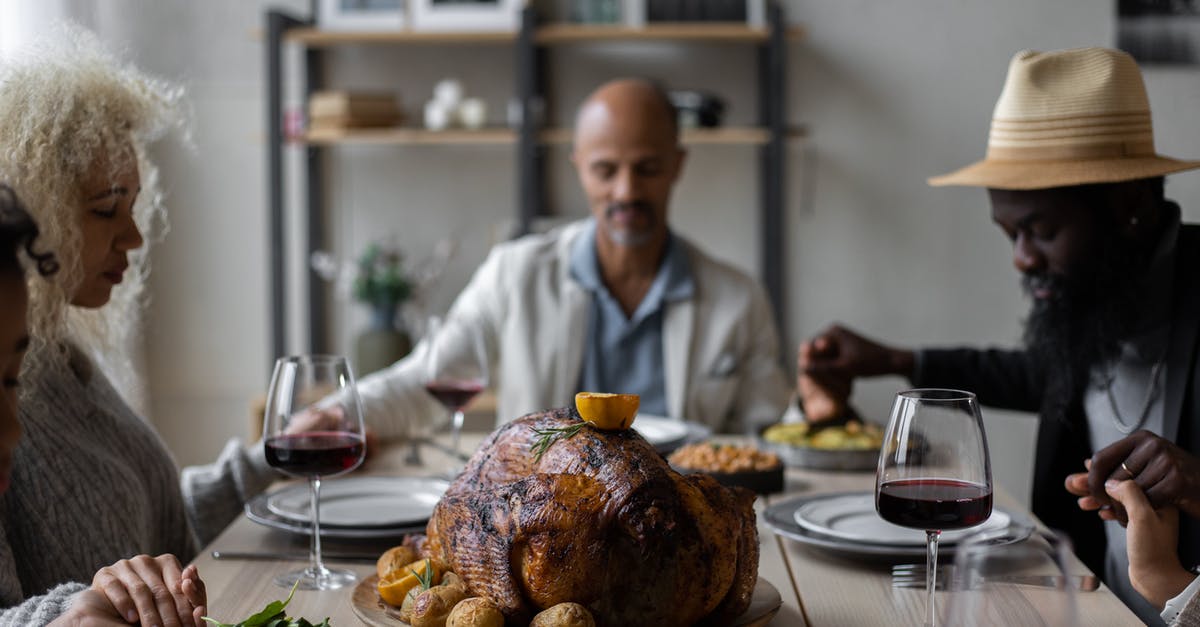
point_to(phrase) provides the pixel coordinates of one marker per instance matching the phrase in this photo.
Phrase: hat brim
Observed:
(1026, 175)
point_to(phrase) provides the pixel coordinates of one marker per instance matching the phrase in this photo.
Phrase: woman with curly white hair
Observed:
(92, 482)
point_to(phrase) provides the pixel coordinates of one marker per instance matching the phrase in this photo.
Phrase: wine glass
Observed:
(456, 368)
(313, 428)
(988, 587)
(934, 471)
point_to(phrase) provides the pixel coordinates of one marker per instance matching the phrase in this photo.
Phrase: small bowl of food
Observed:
(731, 465)
(851, 446)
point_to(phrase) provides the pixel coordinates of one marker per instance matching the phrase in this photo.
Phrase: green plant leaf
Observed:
(271, 616)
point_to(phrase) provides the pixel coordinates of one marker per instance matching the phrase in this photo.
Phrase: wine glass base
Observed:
(312, 579)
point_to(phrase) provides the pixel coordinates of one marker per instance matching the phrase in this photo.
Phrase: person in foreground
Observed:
(1110, 343)
(613, 303)
(92, 482)
(115, 598)
(1154, 567)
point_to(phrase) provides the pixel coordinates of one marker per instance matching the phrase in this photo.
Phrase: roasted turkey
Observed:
(601, 520)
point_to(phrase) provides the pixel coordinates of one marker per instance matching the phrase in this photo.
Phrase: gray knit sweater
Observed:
(92, 484)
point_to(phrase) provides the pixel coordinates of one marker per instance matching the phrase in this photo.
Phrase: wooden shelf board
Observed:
(727, 136)
(563, 33)
(410, 136)
(558, 33)
(315, 37)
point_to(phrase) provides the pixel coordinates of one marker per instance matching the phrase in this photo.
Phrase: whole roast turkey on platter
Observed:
(599, 519)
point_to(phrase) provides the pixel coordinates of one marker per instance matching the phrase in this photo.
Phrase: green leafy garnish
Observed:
(424, 579)
(272, 616)
(547, 437)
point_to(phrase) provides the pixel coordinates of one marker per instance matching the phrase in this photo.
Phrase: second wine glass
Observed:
(313, 428)
(934, 470)
(456, 368)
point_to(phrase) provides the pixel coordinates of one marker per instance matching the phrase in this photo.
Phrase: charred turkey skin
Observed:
(600, 519)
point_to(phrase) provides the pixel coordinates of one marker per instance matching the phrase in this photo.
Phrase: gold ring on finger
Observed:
(1127, 470)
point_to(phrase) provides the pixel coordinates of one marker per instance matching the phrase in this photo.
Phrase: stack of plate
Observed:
(846, 522)
(668, 434)
(353, 508)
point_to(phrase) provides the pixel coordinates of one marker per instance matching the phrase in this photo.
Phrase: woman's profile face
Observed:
(14, 339)
(107, 229)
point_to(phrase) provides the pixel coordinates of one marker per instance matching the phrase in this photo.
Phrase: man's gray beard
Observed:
(629, 239)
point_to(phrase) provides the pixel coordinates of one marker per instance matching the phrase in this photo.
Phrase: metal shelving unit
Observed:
(532, 45)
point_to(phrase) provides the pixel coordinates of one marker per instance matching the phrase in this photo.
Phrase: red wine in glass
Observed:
(315, 452)
(934, 471)
(452, 394)
(934, 503)
(313, 428)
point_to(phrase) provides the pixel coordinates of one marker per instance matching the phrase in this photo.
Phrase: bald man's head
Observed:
(629, 99)
(628, 158)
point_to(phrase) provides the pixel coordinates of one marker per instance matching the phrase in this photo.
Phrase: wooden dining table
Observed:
(817, 588)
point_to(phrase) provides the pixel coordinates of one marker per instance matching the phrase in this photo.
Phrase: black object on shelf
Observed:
(696, 10)
(697, 108)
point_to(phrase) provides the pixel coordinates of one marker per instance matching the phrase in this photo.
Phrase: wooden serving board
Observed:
(374, 612)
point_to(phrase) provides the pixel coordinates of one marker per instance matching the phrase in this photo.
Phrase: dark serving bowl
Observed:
(767, 481)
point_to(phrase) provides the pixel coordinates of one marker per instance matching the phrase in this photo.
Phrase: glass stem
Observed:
(456, 429)
(931, 541)
(314, 557)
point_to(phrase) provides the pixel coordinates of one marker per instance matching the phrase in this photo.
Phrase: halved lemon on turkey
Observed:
(607, 411)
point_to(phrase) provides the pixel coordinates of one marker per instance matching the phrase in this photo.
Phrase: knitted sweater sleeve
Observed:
(1189, 616)
(216, 493)
(40, 610)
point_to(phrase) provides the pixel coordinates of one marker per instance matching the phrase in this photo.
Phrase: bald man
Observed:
(612, 303)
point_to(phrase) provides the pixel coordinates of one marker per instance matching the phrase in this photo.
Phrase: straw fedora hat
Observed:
(1068, 117)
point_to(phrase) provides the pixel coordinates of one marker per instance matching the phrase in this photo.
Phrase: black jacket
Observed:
(1013, 380)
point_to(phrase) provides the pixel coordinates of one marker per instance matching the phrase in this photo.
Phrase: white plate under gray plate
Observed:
(368, 501)
(256, 510)
(852, 517)
(781, 518)
(661, 431)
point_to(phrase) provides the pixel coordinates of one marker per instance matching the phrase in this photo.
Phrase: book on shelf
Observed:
(353, 109)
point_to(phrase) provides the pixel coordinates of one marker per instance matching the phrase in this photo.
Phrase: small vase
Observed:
(382, 343)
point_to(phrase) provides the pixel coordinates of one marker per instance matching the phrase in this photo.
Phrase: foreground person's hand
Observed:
(1107, 509)
(1151, 537)
(154, 591)
(90, 608)
(1167, 474)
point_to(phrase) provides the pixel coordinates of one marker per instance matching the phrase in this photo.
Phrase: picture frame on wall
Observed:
(466, 15)
(362, 15)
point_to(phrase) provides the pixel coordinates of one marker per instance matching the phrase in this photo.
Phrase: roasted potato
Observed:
(564, 615)
(432, 607)
(451, 579)
(393, 558)
(407, 607)
(475, 612)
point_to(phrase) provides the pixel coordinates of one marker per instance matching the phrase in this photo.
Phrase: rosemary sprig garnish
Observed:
(424, 579)
(548, 436)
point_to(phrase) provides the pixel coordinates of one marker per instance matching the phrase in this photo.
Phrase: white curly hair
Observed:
(66, 105)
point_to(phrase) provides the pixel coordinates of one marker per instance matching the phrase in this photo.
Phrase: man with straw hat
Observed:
(1110, 344)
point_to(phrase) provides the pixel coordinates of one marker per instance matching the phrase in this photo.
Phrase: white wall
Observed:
(892, 92)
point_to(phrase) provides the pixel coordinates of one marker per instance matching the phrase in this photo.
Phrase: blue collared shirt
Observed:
(625, 355)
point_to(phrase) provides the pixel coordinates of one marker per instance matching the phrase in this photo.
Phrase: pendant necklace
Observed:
(1151, 396)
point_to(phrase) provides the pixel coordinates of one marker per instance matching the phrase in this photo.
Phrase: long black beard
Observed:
(1084, 322)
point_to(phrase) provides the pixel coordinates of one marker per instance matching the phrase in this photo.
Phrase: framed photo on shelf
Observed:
(362, 15)
(466, 15)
